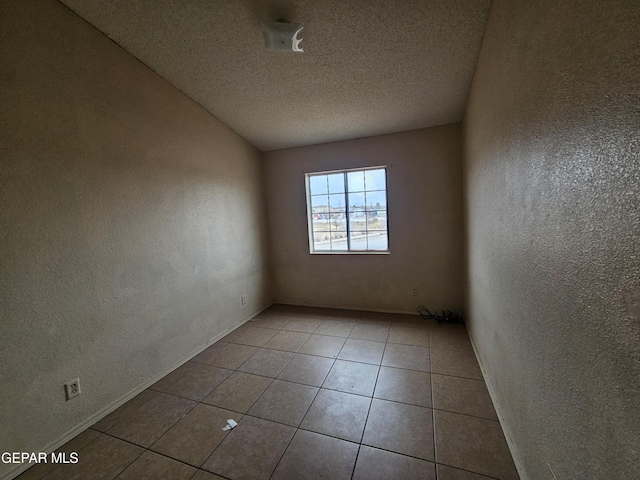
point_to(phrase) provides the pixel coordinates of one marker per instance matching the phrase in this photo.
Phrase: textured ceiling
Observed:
(368, 67)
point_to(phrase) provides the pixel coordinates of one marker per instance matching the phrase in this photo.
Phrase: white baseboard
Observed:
(81, 427)
(505, 430)
(360, 309)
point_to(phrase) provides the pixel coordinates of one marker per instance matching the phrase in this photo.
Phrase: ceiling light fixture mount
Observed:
(282, 36)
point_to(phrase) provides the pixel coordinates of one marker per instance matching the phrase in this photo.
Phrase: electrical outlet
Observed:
(72, 389)
(243, 299)
(414, 291)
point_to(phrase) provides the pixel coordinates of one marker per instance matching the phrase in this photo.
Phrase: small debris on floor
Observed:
(231, 424)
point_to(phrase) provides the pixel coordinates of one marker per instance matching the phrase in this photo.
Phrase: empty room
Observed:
(297, 239)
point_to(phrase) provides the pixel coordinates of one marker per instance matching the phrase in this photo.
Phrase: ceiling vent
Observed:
(282, 36)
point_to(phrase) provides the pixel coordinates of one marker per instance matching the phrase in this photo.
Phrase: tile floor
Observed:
(317, 393)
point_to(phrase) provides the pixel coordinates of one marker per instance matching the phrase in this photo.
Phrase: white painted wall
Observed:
(553, 207)
(131, 223)
(425, 224)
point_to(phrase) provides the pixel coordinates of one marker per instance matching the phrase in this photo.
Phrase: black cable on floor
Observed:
(447, 316)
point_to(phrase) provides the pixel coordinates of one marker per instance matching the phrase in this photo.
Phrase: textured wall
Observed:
(552, 175)
(131, 223)
(425, 224)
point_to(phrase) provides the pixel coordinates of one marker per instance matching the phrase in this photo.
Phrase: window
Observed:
(347, 211)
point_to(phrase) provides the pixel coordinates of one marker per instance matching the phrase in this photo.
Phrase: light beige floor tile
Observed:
(195, 436)
(401, 428)
(412, 321)
(450, 338)
(342, 314)
(151, 466)
(203, 355)
(76, 444)
(323, 345)
(405, 386)
(273, 321)
(170, 378)
(456, 363)
(315, 456)
(249, 335)
(375, 464)
(377, 318)
(364, 351)
(265, 314)
(283, 308)
(288, 341)
(267, 363)
(37, 471)
(337, 414)
(311, 312)
(435, 327)
(198, 382)
(79, 442)
(450, 473)
(369, 331)
(150, 421)
(229, 356)
(352, 377)
(203, 475)
(409, 336)
(305, 325)
(335, 328)
(462, 395)
(284, 402)
(102, 459)
(307, 369)
(238, 392)
(473, 444)
(407, 356)
(251, 451)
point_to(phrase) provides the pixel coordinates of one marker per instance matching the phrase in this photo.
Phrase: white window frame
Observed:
(348, 251)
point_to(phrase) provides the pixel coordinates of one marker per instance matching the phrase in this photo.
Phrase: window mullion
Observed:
(346, 212)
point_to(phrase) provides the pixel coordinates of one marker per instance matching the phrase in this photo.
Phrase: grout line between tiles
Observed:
(364, 429)
(433, 418)
(294, 433)
(465, 470)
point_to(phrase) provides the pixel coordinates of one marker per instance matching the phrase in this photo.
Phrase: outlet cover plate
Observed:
(72, 388)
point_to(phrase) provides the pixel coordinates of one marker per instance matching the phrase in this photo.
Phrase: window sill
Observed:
(352, 253)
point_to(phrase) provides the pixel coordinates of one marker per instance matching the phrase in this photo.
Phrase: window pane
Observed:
(375, 179)
(336, 183)
(358, 240)
(376, 222)
(338, 223)
(378, 241)
(355, 181)
(365, 202)
(320, 204)
(318, 184)
(358, 222)
(321, 239)
(319, 224)
(356, 202)
(340, 242)
(376, 201)
(336, 202)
